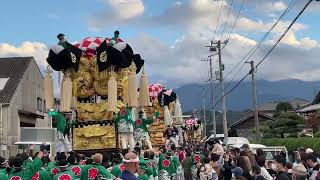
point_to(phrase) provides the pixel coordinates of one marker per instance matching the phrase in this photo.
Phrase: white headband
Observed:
(64, 166)
(131, 160)
(4, 162)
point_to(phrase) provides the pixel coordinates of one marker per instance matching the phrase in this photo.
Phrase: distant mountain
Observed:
(241, 98)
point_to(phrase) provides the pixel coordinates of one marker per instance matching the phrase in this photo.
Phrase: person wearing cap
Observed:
(115, 38)
(131, 164)
(95, 170)
(64, 172)
(62, 40)
(18, 172)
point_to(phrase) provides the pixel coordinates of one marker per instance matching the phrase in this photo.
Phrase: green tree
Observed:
(284, 107)
(285, 123)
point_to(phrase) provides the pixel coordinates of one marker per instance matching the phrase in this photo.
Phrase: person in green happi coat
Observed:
(20, 173)
(62, 40)
(3, 164)
(197, 157)
(74, 167)
(154, 164)
(124, 125)
(42, 174)
(147, 165)
(53, 167)
(64, 173)
(95, 170)
(117, 166)
(3, 172)
(141, 133)
(167, 166)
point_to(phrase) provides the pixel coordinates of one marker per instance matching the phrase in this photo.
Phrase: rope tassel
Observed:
(144, 99)
(132, 101)
(112, 92)
(66, 94)
(48, 89)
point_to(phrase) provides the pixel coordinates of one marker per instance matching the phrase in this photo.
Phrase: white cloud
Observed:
(119, 12)
(179, 63)
(36, 49)
(127, 9)
(278, 6)
(307, 42)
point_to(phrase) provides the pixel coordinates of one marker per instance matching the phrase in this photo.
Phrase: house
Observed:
(269, 108)
(313, 107)
(244, 125)
(22, 101)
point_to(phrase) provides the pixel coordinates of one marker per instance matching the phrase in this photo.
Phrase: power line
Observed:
(235, 22)
(234, 87)
(225, 24)
(285, 32)
(268, 53)
(274, 25)
(238, 72)
(248, 55)
(215, 32)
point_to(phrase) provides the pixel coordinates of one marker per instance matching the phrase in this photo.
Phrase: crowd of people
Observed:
(191, 162)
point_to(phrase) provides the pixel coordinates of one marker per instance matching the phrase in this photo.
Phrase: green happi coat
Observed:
(155, 167)
(42, 175)
(197, 157)
(167, 167)
(116, 170)
(76, 170)
(141, 130)
(3, 170)
(28, 172)
(92, 171)
(3, 176)
(66, 175)
(52, 168)
(145, 165)
(124, 120)
(63, 44)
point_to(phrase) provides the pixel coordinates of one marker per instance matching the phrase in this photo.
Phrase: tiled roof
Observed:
(12, 68)
(295, 102)
(269, 106)
(251, 115)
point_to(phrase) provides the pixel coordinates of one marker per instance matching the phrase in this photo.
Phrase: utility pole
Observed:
(213, 101)
(212, 92)
(254, 98)
(223, 99)
(204, 113)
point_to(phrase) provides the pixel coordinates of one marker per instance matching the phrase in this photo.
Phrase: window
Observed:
(39, 104)
(44, 106)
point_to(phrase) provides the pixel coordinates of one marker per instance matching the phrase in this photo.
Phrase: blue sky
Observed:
(169, 34)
